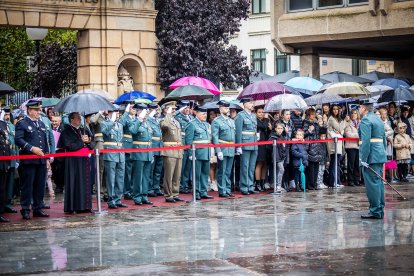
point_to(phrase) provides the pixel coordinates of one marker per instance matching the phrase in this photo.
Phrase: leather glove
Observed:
(127, 108)
(152, 113)
(220, 156)
(239, 151)
(169, 110)
(365, 164)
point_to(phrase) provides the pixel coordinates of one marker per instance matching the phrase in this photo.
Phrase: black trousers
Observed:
(312, 171)
(402, 171)
(33, 180)
(3, 197)
(353, 166)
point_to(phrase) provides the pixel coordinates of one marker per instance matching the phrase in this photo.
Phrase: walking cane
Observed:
(385, 181)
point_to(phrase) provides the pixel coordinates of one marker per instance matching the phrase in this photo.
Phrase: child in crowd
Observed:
(402, 145)
(299, 156)
(281, 155)
(325, 159)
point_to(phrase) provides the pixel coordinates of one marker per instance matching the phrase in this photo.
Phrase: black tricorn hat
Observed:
(246, 100)
(223, 104)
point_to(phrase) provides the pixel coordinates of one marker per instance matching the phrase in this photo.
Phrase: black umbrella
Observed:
(337, 76)
(6, 89)
(187, 92)
(213, 105)
(85, 103)
(399, 94)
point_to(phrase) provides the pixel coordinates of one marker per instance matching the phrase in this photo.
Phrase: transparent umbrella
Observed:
(285, 101)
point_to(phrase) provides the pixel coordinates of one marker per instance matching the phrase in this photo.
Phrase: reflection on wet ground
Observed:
(317, 233)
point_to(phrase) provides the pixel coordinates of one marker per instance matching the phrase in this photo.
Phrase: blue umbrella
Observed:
(391, 82)
(302, 175)
(306, 83)
(130, 96)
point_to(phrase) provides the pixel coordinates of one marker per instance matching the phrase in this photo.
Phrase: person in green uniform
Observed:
(246, 127)
(156, 166)
(198, 132)
(112, 131)
(223, 131)
(183, 117)
(372, 153)
(141, 166)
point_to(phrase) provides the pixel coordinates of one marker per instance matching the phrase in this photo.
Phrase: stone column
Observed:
(309, 65)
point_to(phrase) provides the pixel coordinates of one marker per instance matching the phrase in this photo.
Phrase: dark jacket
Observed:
(311, 135)
(299, 152)
(4, 146)
(291, 127)
(282, 150)
(324, 153)
(263, 129)
(297, 121)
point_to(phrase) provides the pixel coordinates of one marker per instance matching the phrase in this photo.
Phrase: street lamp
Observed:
(37, 35)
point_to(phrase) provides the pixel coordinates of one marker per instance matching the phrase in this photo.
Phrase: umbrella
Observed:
(378, 89)
(284, 77)
(285, 101)
(337, 76)
(99, 92)
(263, 90)
(412, 87)
(213, 105)
(306, 83)
(85, 103)
(46, 102)
(397, 95)
(6, 89)
(258, 76)
(130, 96)
(18, 112)
(187, 92)
(391, 82)
(302, 175)
(322, 98)
(197, 81)
(376, 75)
(347, 89)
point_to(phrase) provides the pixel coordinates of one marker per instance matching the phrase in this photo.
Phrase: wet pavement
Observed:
(316, 233)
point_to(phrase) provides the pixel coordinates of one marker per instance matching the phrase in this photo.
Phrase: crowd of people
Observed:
(138, 176)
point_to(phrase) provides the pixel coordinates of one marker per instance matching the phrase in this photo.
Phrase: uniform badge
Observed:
(29, 128)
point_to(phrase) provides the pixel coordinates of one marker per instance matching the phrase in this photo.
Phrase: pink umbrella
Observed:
(197, 81)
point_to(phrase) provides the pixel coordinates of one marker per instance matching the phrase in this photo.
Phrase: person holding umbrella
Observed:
(372, 153)
(224, 132)
(246, 131)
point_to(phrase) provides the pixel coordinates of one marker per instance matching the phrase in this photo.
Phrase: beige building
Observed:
(361, 29)
(116, 38)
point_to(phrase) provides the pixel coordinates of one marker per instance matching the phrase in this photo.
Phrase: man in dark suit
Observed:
(4, 166)
(32, 140)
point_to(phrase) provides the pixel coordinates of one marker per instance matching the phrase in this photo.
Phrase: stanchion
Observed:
(274, 168)
(336, 161)
(193, 159)
(98, 186)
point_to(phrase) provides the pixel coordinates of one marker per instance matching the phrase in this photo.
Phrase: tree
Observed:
(193, 39)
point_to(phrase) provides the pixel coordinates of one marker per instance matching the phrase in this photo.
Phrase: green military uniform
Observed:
(125, 120)
(224, 132)
(156, 166)
(114, 162)
(198, 132)
(246, 129)
(372, 150)
(184, 120)
(141, 166)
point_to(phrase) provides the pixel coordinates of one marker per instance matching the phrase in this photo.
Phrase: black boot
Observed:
(257, 186)
(298, 188)
(262, 185)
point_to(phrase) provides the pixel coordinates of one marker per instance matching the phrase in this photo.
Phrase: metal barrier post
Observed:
(98, 185)
(274, 168)
(336, 161)
(193, 159)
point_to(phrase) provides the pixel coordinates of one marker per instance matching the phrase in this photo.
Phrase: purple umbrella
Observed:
(263, 90)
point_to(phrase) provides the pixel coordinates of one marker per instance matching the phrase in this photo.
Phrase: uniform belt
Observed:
(172, 143)
(183, 133)
(225, 142)
(127, 136)
(112, 144)
(249, 132)
(156, 138)
(201, 141)
(374, 140)
(141, 143)
(98, 134)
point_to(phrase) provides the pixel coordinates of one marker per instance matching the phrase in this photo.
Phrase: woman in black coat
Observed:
(264, 128)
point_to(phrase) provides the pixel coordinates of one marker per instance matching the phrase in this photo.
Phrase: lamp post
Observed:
(37, 35)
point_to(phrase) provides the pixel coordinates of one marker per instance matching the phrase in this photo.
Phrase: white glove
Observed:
(2, 115)
(142, 114)
(365, 164)
(239, 151)
(152, 113)
(182, 108)
(51, 159)
(101, 112)
(220, 156)
(127, 108)
(169, 110)
(113, 116)
(17, 165)
(191, 158)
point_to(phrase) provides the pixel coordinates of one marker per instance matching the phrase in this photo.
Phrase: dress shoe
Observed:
(185, 192)
(138, 202)
(207, 197)
(40, 213)
(121, 205)
(10, 210)
(245, 193)
(45, 207)
(170, 200)
(224, 195)
(160, 194)
(25, 214)
(350, 184)
(128, 197)
(3, 219)
(231, 195)
(152, 195)
(404, 180)
(198, 198)
(369, 216)
(177, 199)
(111, 206)
(147, 202)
